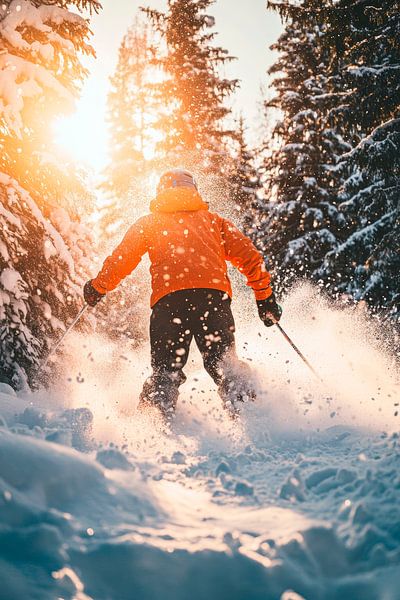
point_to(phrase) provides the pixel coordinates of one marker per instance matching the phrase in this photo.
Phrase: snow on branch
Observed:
(377, 135)
(362, 71)
(22, 14)
(299, 5)
(19, 79)
(63, 252)
(39, 47)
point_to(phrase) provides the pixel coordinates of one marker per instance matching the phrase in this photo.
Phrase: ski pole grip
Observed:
(271, 317)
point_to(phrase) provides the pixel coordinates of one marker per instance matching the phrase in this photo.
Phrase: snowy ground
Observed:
(301, 499)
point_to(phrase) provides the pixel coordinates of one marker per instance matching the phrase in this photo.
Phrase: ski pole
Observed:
(60, 341)
(295, 348)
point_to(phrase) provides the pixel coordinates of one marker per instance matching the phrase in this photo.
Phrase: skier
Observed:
(188, 248)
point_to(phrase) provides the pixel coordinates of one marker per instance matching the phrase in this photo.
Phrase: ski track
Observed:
(300, 499)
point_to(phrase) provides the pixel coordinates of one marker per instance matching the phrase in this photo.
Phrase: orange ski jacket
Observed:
(188, 248)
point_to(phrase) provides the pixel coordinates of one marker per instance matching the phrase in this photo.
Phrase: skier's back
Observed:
(188, 248)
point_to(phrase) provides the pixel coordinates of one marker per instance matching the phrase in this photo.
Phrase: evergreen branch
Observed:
(380, 131)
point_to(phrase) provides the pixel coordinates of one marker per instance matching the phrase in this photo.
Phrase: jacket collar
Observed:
(177, 200)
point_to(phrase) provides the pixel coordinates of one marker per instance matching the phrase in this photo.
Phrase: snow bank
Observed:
(314, 516)
(54, 499)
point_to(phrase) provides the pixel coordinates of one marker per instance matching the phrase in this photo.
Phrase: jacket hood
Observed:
(178, 199)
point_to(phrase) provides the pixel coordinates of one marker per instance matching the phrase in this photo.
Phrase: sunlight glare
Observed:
(84, 140)
(84, 133)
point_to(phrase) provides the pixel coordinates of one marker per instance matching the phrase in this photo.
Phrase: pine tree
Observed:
(359, 99)
(367, 264)
(40, 287)
(40, 75)
(130, 116)
(130, 111)
(42, 266)
(244, 180)
(301, 222)
(193, 124)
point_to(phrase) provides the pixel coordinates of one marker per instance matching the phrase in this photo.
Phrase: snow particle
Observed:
(7, 495)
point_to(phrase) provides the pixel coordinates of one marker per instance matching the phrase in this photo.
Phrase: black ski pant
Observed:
(206, 316)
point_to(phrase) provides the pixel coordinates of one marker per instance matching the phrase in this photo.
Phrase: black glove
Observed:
(269, 306)
(91, 295)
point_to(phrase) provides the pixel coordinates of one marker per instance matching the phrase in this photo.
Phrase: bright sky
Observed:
(246, 32)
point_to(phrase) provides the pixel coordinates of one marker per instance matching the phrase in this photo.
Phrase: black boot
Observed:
(161, 391)
(234, 391)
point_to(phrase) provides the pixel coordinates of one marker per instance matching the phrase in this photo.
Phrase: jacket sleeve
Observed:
(124, 259)
(241, 252)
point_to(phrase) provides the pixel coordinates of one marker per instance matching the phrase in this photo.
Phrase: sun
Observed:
(85, 141)
(85, 136)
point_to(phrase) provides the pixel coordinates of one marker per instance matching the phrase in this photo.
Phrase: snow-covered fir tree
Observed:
(335, 176)
(130, 116)
(193, 123)
(244, 180)
(300, 222)
(40, 75)
(40, 287)
(367, 264)
(130, 111)
(42, 265)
